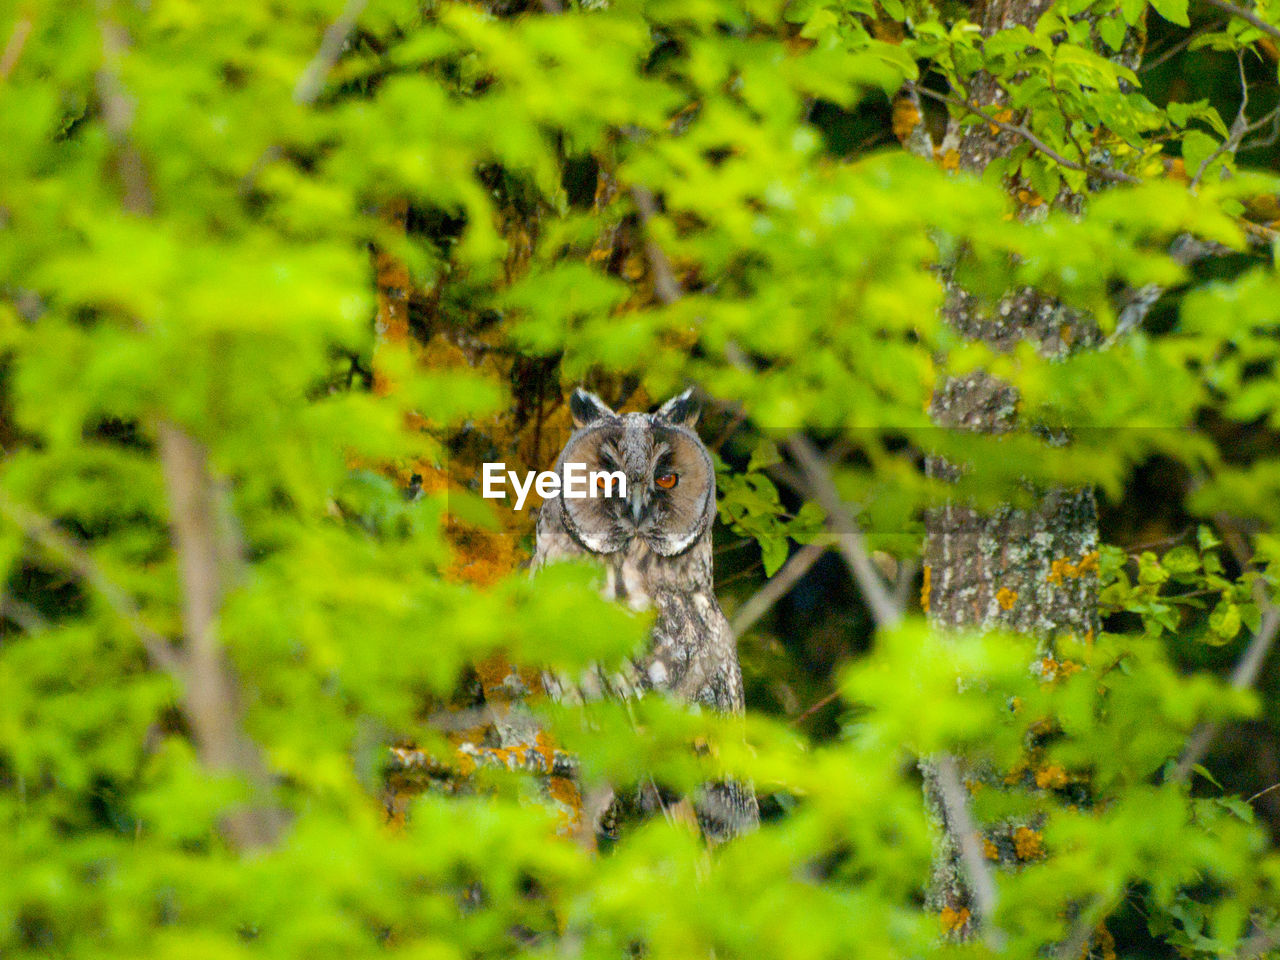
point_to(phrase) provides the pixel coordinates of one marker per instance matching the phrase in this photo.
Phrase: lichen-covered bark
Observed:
(1033, 569)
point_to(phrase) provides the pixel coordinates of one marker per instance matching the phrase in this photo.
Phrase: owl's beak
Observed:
(637, 504)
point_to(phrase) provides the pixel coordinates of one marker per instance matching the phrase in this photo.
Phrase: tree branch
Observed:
(1259, 943)
(981, 880)
(850, 540)
(1103, 172)
(27, 617)
(1247, 15)
(212, 703)
(14, 47)
(1248, 667)
(117, 118)
(1243, 677)
(776, 587)
(335, 37)
(68, 550)
(665, 285)
(1239, 127)
(311, 81)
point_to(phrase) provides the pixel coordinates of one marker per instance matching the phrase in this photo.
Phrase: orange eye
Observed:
(667, 480)
(601, 482)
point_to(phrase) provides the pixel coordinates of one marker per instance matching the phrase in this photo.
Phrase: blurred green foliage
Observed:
(189, 194)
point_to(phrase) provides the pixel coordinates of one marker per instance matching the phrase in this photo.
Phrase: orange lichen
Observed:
(1028, 844)
(1051, 777)
(633, 268)
(1060, 568)
(1063, 567)
(906, 117)
(949, 160)
(990, 850)
(565, 792)
(545, 748)
(925, 587)
(1052, 670)
(1006, 598)
(953, 920)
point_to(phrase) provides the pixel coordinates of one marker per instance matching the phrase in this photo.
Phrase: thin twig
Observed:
(1263, 792)
(1272, 119)
(117, 118)
(14, 47)
(776, 587)
(977, 870)
(1248, 15)
(1243, 677)
(313, 77)
(815, 707)
(728, 431)
(1103, 172)
(743, 573)
(665, 284)
(1239, 126)
(1072, 948)
(850, 540)
(1176, 48)
(23, 614)
(1259, 943)
(310, 82)
(68, 550)
(907, 571)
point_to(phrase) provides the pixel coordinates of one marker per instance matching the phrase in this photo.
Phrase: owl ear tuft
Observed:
(585, 407)
(682, 409)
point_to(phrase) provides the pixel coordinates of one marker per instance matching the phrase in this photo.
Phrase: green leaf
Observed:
(1225, 621)
(1203, 771)
(1197, 147)
(774, 551)
(1181, 561)
(1206, 538)
(1175, 11)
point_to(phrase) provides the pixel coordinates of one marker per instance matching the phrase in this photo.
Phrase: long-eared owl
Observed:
(655, 546)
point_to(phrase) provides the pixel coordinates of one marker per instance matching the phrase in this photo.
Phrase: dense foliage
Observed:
(276, 278)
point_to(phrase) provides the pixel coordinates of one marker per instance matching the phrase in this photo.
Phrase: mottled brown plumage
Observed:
(655, 546)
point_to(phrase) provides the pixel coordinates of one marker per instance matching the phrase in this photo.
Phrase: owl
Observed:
(655, 546)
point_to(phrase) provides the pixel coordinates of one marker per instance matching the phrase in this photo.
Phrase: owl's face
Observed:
(671, 484)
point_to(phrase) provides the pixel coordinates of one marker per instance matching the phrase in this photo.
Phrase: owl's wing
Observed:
(694, 654)
(698, 654)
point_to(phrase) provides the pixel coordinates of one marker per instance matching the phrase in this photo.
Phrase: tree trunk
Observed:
(1031, 570)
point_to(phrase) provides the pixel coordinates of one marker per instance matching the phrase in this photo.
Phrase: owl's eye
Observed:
(667, 480)
(602, 483)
